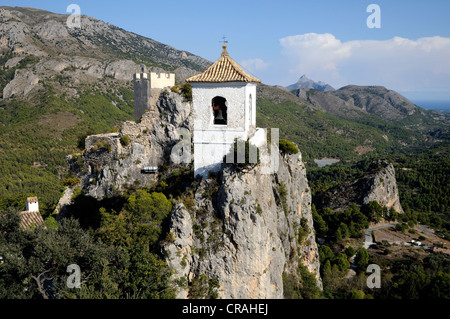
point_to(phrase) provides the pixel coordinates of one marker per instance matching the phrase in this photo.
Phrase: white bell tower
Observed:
(224, 103)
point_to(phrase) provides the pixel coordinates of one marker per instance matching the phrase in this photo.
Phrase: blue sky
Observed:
(278, 41)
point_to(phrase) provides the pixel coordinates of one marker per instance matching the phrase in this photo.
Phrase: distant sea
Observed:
(440, 106)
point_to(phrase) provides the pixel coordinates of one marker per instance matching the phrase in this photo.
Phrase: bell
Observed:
(219, 115)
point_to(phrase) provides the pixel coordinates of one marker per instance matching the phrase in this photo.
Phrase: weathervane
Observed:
(223, 40)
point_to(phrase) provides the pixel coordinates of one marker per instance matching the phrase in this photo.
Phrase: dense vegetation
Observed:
(36, 138)
(409, 276)
(422, 182)
(117, 259)
(423, 189)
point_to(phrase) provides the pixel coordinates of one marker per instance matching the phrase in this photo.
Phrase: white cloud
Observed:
(254, 65)
(397, 63)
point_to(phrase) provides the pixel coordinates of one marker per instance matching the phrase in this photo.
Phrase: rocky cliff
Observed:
(250, 231)
(378, 184)
(113, 162)
(242, 228)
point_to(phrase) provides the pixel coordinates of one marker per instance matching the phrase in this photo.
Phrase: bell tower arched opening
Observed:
(219, 105)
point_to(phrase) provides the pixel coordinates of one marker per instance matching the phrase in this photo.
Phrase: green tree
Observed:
(362, 259)
(309, 289)
(319, 224)
(341, 260)
(349, 251)
(374, 211)
(344, 231)
(147, 211)
(287, 147)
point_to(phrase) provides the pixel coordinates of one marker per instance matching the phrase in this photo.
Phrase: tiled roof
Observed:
(224, 70)
(29, 219)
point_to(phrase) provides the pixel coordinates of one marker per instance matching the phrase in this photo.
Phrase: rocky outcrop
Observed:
(378, 184)
(247, 232)
(114, 162)
(23, 83)
(243, 228)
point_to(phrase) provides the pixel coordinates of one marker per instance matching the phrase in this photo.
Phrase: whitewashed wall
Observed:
(213, 142)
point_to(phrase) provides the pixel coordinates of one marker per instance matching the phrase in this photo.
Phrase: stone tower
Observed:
(224, 104)
(147, 87)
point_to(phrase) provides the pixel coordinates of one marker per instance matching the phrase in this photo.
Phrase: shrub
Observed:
(287, 147)
(401, 227)
(51, 223)
(204, 287)
(104, 145)
(186, 91)
(362, 258)
(125, 140)
(71, 181)
(349, 251)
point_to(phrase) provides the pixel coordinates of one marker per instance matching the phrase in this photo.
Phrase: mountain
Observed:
(305, 83)
(357, 101)
(67, 97)
(325, 125)
(57, 84)
(76, 55)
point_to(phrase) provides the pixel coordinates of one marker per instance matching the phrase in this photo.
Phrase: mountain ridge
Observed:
(305, 83)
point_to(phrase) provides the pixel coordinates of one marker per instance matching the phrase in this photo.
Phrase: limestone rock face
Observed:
(112, 162)
(384, 189)
(22, 84)
(246, 234)
(240, 227)
(378, 184)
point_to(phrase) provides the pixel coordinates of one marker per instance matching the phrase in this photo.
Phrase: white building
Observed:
(32, 204)
(224, 103)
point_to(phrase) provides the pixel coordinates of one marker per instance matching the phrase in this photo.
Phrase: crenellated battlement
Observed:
(157, 80)
(144, 83)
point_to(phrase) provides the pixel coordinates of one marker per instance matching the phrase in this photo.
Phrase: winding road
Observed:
(368, 239)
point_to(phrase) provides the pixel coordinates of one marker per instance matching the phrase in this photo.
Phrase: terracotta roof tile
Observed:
(29, 219)
(224, 70)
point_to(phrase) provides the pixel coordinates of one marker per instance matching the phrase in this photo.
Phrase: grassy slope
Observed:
(33, 147)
